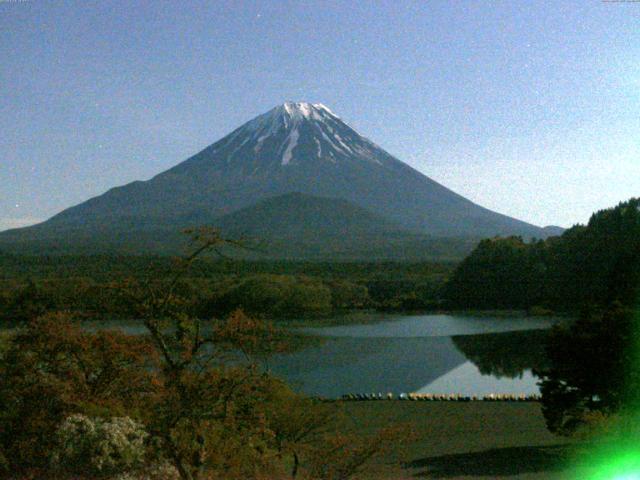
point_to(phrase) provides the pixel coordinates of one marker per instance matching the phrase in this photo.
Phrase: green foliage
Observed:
(275, 296)
(103, 287)
(499, 273)
(347, 295)
(593, 363)
(404, 292)
(593, 368)
(588, 265)
(24, 303)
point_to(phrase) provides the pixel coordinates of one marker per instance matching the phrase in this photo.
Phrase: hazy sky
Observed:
(530, 108)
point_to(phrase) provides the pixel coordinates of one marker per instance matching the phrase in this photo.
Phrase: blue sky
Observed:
(531, 109)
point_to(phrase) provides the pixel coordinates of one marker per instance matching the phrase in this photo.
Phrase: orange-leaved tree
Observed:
(193, 388)
(51, 369)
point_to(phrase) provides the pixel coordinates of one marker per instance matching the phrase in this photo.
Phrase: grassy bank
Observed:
(465, 440)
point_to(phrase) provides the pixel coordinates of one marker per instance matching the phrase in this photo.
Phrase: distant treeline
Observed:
(113, 267)
(587, 266)
(108, 286)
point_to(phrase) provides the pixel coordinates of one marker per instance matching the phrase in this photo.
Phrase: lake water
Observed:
(421, 353)
(413, 353)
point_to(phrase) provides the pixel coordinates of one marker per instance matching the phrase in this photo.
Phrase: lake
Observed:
(412, 353)
(420, 353)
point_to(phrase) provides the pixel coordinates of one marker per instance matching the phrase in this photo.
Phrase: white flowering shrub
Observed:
(99, 447)
(157, 471)
(74, 439)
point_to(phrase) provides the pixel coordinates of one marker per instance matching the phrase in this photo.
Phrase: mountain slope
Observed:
(299, 226)
(293, 226)
(296, 147)
(297, 215)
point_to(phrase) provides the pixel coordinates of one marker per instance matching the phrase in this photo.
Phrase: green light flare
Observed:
(615, 463)
(614, 453)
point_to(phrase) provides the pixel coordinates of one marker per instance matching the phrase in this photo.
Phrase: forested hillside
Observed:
(588, 265)
(101, 286)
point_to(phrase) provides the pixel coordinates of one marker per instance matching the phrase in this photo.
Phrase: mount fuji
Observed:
(293, 165)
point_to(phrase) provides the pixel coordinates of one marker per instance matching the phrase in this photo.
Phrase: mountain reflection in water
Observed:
(368, 358)
(463, 380)
(342, 365)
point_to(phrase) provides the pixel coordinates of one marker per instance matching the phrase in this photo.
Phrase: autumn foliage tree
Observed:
(195, 386)
(53, 369)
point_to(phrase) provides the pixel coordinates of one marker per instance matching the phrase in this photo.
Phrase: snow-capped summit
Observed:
(290, 113)
(305, 110)
(295, 133)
